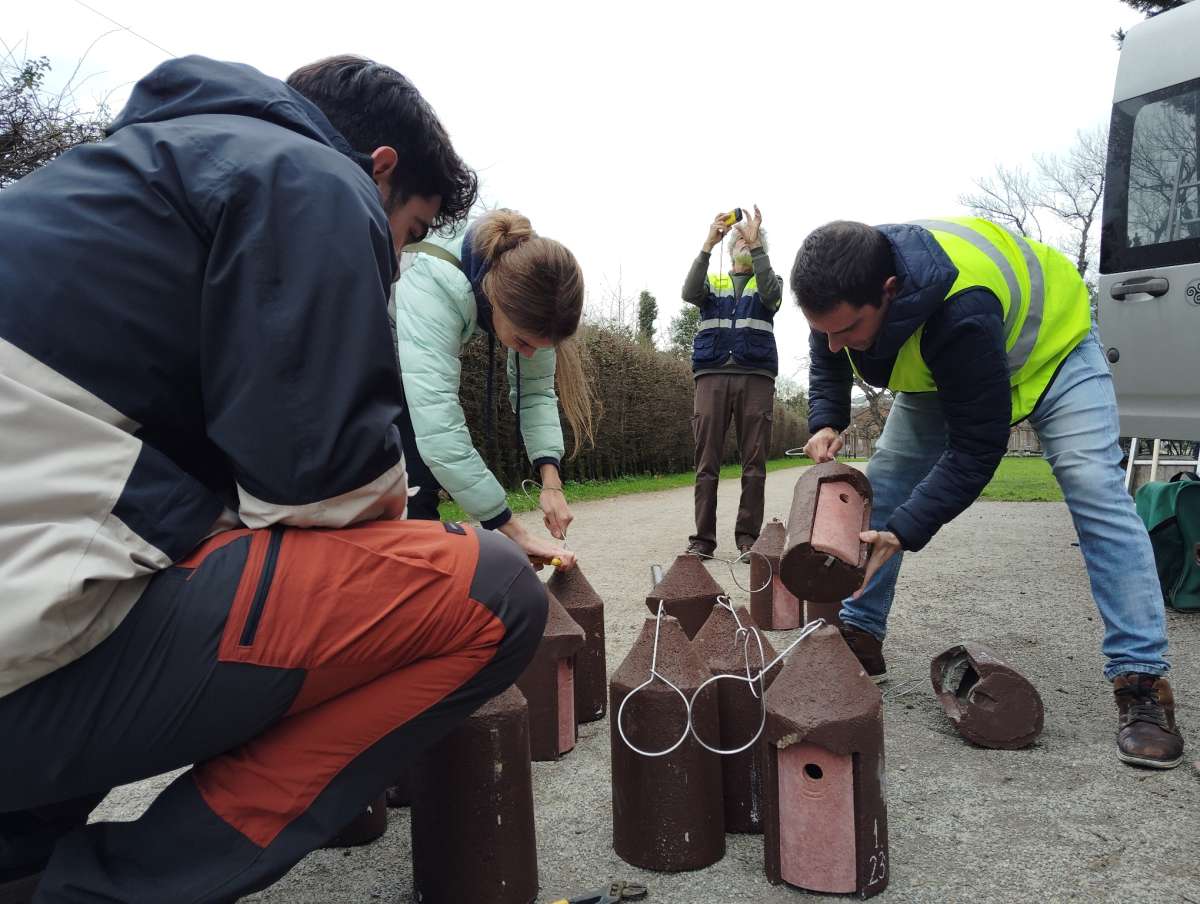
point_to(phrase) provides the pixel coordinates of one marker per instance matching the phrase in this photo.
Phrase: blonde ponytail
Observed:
(574, 392)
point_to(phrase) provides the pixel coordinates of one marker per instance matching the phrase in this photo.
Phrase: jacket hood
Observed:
(196, 85)
(925, 274)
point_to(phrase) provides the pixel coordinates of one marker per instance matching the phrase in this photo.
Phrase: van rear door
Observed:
(1149, 303)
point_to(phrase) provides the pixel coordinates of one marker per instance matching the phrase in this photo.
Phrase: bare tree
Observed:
(879, 403)
(1073, 188)
(1010, 197)
(37, 123)
(1064, 190)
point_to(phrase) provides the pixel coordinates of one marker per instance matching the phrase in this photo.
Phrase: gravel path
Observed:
(1060, 821)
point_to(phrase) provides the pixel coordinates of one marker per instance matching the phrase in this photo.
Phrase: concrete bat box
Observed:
(667, 810)
(823, 558)
(721, 650)
(472, 813)
(688, 592)
(826, 815)
(990, 702)
(582, 603)
(548, 683)
(773, 606)
(364, 828)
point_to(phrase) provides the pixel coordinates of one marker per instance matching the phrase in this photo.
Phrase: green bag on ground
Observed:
(1170, 509)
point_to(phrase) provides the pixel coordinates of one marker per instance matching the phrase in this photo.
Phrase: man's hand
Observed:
(556, 514)
(884, 545)
(716, 231)
(748, 229)
(824, 445)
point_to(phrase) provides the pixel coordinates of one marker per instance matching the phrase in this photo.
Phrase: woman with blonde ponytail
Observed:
(499, 277)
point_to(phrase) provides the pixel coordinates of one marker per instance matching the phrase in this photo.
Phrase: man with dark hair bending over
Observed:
(202, 552)
(975, 329)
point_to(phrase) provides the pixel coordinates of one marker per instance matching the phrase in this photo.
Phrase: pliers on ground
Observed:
(615, 893)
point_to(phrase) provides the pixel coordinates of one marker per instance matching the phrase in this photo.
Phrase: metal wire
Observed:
(654, 674)
(744, 558)
(743, 633)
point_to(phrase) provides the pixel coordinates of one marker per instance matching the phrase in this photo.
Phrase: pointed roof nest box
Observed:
(688, 593)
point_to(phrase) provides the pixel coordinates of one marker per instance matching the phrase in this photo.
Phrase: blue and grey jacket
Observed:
(963, 344)
(737, 318)
(193, 336)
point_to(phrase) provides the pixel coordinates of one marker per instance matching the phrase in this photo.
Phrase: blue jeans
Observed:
(1077, 423)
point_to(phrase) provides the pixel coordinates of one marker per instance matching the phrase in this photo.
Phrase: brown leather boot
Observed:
(1146, 732)
(869, 650)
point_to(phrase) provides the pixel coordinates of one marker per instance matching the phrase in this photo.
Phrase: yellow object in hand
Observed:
(556, 561)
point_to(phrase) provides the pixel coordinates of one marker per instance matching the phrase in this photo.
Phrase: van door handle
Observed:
(1153, 286)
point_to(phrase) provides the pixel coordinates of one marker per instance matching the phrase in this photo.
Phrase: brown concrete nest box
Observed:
(473, 836)
(721, 650)
(583, 604)
(548, 683)
(990, 702)
(366, 827)
(667, 810)
(826, 816)
(823, 559)
(773, 606)
(688, 593)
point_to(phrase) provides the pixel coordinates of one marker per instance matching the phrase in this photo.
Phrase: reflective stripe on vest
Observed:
(714, 325)
(755, 324)
(1018, 349)
(721, 285)
(1044, 302)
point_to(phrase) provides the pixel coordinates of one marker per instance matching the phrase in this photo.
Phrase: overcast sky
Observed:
(621, 128)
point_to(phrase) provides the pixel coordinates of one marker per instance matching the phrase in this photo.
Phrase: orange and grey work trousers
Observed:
(299, 670)
(747, 400)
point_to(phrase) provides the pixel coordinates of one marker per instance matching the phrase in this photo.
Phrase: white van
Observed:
(1149, 305)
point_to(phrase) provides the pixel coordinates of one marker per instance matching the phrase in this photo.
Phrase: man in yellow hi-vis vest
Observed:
(975, 328)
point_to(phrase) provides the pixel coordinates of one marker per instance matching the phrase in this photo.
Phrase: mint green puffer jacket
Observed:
(435, 318)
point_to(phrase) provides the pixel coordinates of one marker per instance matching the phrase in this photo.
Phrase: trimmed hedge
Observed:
(644, 401)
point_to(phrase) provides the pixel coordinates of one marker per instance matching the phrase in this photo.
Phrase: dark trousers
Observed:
(747, 400)
(297, 669)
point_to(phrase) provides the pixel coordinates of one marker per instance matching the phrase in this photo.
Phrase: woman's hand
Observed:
(556, 514)
(540, 552)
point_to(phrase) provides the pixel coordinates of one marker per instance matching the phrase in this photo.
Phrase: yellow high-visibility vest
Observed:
(1045, 304)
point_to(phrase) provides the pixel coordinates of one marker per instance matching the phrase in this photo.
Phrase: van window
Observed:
(1152, 209)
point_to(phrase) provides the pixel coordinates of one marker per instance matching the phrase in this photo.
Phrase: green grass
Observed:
(588, 490)
(1016, 480)
(1023, 480)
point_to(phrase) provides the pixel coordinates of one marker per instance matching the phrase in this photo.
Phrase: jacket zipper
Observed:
(264, 587)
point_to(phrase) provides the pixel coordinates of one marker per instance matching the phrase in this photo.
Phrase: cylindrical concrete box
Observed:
(823, 558)
(990, 702)
(831, 612)
(667, 810)
(548, 683)
(399, 793)
(582, 603)
(472, 813)
(722, 652)
(688, 592)
(773, 606)
(826, 816)
(364, 828)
